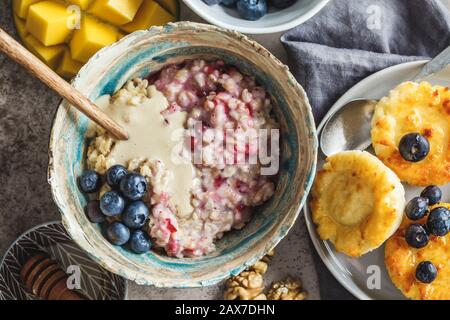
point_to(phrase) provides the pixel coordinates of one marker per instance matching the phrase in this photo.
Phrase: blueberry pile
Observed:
(252, 9)
(122, 202)
(437, 224)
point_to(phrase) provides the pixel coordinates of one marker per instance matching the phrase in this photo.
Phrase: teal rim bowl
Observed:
(146, 51)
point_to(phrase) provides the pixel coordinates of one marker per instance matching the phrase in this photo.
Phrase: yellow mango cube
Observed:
(150, 14)
(20, 7)
(117, 12)
(50, 55)
(50, 22)
(83, 4)
(67, 33)
(91, 37)
(20, 26)
(68, 67)
(169, 5)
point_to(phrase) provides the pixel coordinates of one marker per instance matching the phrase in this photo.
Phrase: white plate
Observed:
(274, 21)
(352, 273)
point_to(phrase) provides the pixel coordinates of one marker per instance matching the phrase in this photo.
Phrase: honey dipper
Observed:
(44, 278)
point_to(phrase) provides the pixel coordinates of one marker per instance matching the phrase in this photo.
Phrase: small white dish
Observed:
(274, 21)
(352, 273)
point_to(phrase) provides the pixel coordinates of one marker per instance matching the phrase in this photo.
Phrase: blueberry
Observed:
(229, 3)
(135, 215)
(140, 242)
(416, 208)
(439, 221)
(281, 4)
(426, 272)
(118, 233)
(252, 9)
(416, 236)
(433, 194)
(414, 147)
(115, 174)
(93, 211)
(212, 2)
(89, 181)
(112, 203)
(133, 186)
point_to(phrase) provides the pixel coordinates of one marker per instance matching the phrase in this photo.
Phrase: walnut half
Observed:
(286, 290)
(248, 285)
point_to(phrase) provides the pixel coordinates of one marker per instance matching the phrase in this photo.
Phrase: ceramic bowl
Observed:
(52, 239)
(273, 21)
(138, 55)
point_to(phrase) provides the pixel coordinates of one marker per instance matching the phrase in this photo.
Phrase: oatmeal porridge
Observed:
(169, 116)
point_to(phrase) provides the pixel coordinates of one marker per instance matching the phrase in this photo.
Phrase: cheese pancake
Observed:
(357, 202)
(414, 108)
(402, 260)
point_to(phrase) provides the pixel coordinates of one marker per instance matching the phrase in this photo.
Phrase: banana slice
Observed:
(409, 108)
(357, 202)
(402, 260)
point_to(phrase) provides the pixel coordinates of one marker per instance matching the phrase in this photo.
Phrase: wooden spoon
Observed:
(36, 67)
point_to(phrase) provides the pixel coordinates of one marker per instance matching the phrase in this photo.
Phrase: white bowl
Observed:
(274, 21)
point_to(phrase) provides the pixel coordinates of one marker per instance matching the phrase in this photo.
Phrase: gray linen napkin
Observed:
(351, 39)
